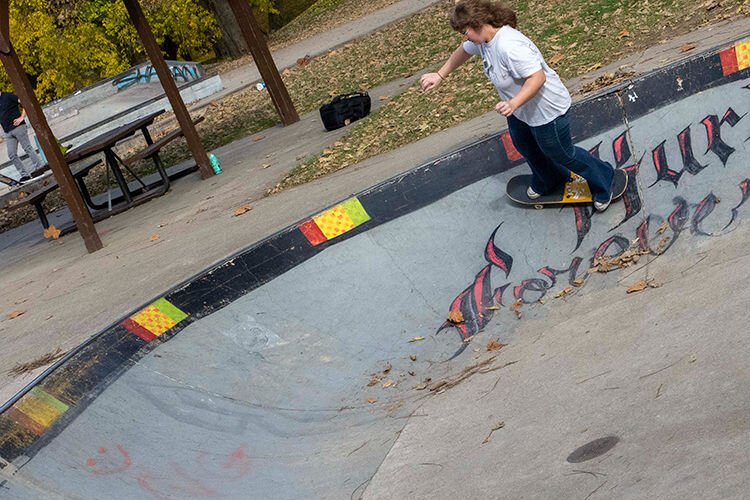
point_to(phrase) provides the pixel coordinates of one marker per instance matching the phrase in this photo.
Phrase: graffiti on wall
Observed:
(182, 72)
(206, 475)
(654, 235)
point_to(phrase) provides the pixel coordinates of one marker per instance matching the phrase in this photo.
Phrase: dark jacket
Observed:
(9, 110)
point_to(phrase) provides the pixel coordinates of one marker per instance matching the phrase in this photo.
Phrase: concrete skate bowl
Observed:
(288, 370)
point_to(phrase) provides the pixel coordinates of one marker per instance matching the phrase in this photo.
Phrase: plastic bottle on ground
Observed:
(215, 163)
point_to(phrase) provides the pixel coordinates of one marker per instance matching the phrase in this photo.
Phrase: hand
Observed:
(505, 108)
(430, 81)
(17, 121)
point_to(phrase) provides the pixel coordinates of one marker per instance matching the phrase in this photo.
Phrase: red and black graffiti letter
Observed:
(690, 164)
(497, 257)
(661, 164)
(703, 210)
(745, 188)
(621, 150)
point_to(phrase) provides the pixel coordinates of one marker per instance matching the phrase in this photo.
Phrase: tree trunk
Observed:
(232, 43)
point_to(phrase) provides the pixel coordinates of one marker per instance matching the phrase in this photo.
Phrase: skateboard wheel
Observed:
(539, 207)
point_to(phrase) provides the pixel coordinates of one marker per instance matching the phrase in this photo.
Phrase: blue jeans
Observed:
(549, 151)
(20, 135)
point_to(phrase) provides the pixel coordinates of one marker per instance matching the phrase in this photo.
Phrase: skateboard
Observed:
(576, 190)
(9, 181)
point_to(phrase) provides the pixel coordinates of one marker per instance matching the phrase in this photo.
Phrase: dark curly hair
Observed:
(476, 13)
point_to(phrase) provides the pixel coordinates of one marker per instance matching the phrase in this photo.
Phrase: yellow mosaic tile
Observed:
(743, 54)
(41, 407)
(154, 320)
(334, 222)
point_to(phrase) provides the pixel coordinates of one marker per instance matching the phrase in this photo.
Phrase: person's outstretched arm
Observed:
(431, 81)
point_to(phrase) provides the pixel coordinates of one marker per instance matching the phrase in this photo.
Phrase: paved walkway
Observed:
(68, 295)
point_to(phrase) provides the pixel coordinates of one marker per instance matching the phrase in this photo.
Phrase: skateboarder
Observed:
(533, 98)
(15, 132)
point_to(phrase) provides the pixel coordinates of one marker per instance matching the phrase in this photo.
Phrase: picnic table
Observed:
(105, 144)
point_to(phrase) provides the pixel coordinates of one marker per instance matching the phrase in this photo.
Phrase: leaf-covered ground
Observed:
(322, 16)
(577, 36)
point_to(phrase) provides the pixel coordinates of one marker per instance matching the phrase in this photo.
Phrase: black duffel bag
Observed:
(344, 109)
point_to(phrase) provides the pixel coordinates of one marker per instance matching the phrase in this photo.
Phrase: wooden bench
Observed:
(152, 150)
(36, 198)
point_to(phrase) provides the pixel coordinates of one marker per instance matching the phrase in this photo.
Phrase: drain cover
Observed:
(594, 449)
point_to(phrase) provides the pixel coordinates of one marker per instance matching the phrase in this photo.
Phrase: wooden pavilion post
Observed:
(170, 87)
(47, 141)
(256, 42)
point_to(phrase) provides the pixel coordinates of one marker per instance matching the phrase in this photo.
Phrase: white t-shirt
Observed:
(509, 58)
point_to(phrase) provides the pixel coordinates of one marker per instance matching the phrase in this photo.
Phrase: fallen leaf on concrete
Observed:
(564, 292)
(374, 380)
(387, 369)
(638, 286)
(516, 308)
(455, 317)
(662, 246)
(663, 227)
(607, 79)
(21, 301)
(421, 387)
(154, 237)
(416, 339)
(658, 391)
(579, 282)
(494, 345)
(22, 195)
(49, 358)
(266, 165)
(242, 210)
(52, 232)
(372, 400)
(16, 313)
(389, 383)
(493, 308)
(497, 427)
(605, 263)
(413, 357)
(641, 285)
(687, 47)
